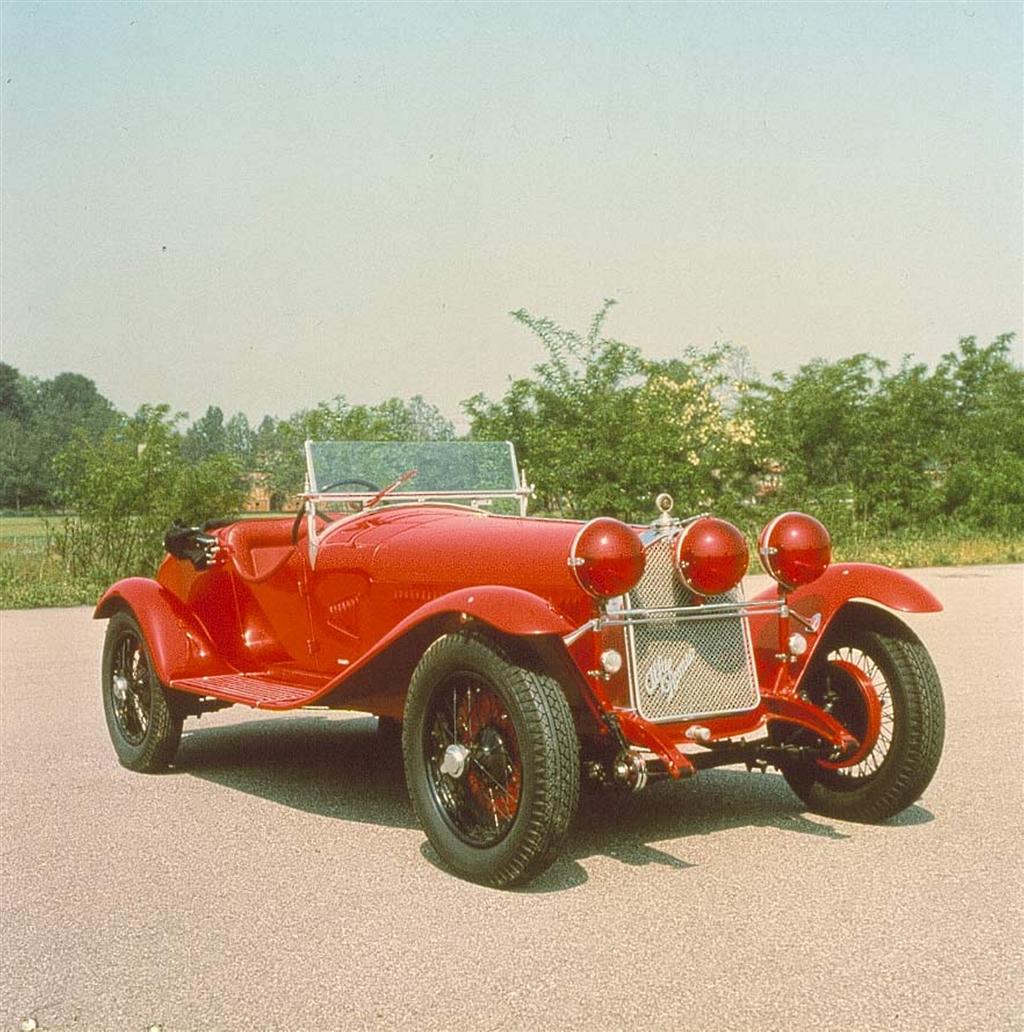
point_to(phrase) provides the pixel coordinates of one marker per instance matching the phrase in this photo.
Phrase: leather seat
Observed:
(259, 548)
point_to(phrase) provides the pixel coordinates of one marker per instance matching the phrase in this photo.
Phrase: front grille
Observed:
(688, 669)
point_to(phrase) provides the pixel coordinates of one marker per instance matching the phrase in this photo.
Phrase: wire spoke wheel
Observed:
(491, 760)
(878, 681)
(473, 759)
(144, 726)
(858, 695)
(131, 687)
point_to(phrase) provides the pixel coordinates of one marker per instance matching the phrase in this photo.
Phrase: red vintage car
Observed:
(523, 656)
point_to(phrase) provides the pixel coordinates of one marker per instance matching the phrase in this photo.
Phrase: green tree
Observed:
(815, 426)
(13, 386)
(280, 445)
(601, 429)
(867, 448)
(37, 419)
(982, 458)
(206, 437)
(239, 439)
(127, 486)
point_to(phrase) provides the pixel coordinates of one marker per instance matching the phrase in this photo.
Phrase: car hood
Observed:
(444, 548)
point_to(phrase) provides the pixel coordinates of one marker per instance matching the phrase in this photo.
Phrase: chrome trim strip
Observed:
(679, 614)
(687, 717)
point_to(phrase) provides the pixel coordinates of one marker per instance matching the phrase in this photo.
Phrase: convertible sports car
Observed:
(521, 657)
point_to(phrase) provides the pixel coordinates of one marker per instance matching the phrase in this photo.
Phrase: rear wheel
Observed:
(881, 685)
(144, 725)
(491, 760)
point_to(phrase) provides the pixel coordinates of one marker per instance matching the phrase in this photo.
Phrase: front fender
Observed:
(825, 598)
(510, 610)
(178, 643)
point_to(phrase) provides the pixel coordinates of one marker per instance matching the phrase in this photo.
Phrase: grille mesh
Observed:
(689, 669)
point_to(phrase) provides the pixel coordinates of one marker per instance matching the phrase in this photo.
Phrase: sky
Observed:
(261, 206)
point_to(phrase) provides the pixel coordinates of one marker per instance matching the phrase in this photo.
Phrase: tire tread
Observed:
(550, 732)
(903, 778)
(158, 748)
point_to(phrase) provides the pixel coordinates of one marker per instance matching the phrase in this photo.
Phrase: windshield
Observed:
(471, 470)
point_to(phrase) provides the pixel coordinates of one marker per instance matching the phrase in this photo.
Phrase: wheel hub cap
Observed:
(456, 757)
(120, 688)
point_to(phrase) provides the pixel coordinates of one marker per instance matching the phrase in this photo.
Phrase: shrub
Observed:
(127, 486)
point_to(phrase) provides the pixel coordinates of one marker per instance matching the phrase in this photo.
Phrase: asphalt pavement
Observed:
(276, 878)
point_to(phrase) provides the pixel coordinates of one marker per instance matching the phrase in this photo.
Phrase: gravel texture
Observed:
(276, 878)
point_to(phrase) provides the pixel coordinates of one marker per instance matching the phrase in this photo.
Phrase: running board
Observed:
(258, 690)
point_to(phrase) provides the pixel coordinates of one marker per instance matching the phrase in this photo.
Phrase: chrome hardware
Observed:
(699, 733)
(664, 502)
(456, 757)
(630, 769)
(611, 661)
(812, 623)
(572, 637)
(797, 644)
(120, 685)
(619, 617)
(681, 614)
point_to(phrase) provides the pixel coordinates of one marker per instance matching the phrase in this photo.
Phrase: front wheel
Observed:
(144, 725)
(491, 760)
(881, 685)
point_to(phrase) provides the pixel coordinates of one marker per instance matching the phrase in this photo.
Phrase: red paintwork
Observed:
(795, 549)
(606, 557)
(873, 709)
(841, 583)
(179, 644)
(264, 627)
(263, 611)
(260, 692)
(711, 556)
(795, 710)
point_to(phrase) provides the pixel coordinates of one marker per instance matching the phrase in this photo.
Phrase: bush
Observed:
(127, 487)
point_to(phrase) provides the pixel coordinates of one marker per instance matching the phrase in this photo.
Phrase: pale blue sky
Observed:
(259, 206)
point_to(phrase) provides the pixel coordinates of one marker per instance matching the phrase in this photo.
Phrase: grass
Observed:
(916, 549)
(32, 574)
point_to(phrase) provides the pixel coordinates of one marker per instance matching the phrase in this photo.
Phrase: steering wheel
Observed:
(329, 487)
(341, 483)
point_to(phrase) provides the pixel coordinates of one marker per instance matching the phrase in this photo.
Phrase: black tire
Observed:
(517, 732)
(144, 723)
(905, 754)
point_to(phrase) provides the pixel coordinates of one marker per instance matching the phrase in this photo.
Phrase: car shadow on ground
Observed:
(346, 770)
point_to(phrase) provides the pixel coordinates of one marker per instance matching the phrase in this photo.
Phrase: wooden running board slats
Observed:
(249, 689)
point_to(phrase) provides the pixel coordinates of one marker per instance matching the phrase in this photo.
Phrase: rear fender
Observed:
(178, 643)
(825, 599)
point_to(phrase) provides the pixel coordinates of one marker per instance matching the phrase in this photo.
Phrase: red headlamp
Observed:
(606, 557)
(795, 549)
(711, 556)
